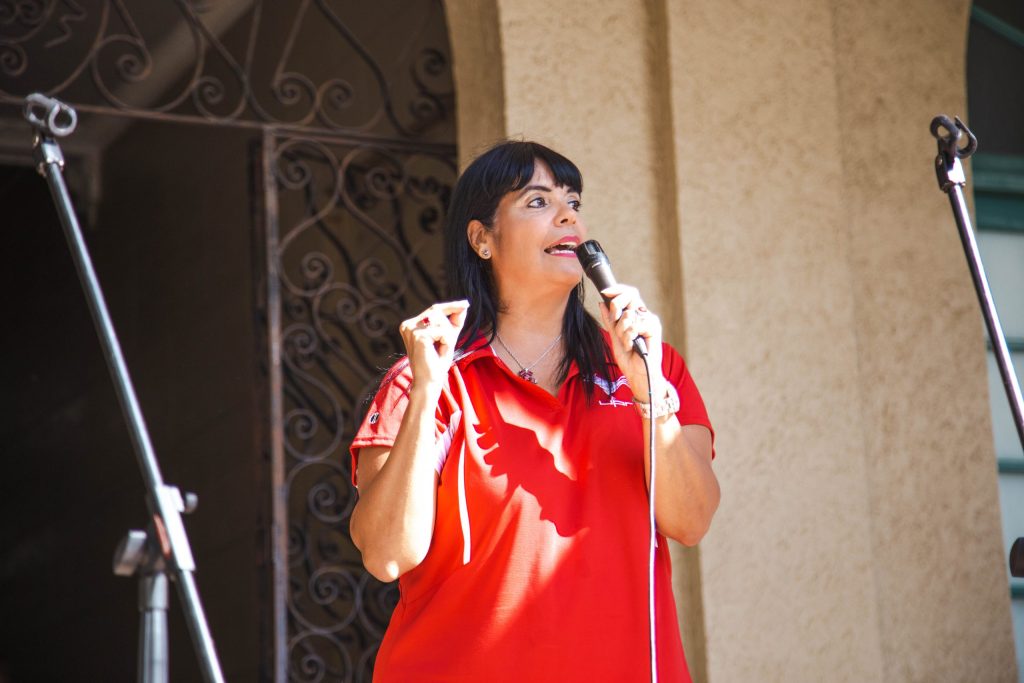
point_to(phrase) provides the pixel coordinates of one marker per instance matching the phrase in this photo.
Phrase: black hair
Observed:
(508, 167)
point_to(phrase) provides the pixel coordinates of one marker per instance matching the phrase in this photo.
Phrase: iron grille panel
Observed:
(358, 251)
(245, 63)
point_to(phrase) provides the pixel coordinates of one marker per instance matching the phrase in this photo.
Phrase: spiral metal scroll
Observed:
(359, 250)
(180, 60)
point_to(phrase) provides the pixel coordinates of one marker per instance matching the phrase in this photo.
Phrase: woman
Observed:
(502, 467)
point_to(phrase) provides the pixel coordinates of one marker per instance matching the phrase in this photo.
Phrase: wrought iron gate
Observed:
(352, 235)
(355, 161)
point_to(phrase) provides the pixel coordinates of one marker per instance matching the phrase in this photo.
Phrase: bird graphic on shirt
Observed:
(610, 388)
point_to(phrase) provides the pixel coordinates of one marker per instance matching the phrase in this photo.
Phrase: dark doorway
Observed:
(65, 494)
(182, 190)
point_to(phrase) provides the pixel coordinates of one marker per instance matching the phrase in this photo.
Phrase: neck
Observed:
(530, 339)
(532, 320)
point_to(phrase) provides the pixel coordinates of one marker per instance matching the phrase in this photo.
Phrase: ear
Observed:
(479, 238)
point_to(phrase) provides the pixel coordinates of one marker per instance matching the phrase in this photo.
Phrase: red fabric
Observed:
(556, 584)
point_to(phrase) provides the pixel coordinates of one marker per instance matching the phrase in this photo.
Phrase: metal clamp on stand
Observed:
(142, 553)
(950, 174)
(165, 549)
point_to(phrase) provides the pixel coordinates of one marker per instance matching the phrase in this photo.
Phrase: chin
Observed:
(568, 281)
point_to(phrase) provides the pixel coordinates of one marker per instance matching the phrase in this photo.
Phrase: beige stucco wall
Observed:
(476, 49)
(860, 536)
(737, 171)
(790, 593)
(938, 555)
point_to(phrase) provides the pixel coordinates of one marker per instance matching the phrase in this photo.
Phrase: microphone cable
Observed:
(597, 267)
(653, 528)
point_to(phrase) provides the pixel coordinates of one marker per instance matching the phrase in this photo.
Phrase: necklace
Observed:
(525, 370)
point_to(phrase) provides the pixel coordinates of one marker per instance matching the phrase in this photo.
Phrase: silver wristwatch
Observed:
(668, 404)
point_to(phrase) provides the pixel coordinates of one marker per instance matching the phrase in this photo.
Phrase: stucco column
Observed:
(478, 72)
(940, 571)
(789, 588)
(830, 314)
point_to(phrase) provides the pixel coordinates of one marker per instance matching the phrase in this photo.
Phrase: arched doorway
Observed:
(996, 103)
(262, 186)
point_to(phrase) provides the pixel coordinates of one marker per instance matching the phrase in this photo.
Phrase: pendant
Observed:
(528, 375)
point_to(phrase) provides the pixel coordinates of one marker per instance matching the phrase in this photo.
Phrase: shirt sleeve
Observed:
(384, 417)
(691, 405)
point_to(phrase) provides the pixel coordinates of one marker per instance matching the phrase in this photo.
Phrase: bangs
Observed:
(510, 166)
(564, 171)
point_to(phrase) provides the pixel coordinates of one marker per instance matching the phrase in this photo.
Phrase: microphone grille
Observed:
(590, 252)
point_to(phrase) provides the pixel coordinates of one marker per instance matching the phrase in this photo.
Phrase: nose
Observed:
(569, 219)
(566, 215)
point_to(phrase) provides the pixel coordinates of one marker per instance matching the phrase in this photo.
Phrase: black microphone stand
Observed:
(950, 174)
(164, 548)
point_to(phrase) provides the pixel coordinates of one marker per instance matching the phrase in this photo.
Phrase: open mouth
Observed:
(562, 248)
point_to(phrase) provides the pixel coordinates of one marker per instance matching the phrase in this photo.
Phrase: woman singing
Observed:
(502, 467)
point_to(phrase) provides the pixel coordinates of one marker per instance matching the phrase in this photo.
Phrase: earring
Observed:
(485, 253)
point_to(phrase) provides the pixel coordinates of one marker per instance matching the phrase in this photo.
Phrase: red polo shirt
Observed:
(537, 569)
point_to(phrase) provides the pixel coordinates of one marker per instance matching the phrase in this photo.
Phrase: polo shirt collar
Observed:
(480, 348)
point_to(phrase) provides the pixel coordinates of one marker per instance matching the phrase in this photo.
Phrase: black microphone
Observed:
(598, 268)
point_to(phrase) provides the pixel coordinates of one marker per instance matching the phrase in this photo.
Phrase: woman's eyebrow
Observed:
(528, 188)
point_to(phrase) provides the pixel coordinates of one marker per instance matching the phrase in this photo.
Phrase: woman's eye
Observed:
(576, 204)
(537, 203)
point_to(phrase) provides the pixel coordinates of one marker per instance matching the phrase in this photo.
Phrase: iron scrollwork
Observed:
(226, 63)
(358, 252)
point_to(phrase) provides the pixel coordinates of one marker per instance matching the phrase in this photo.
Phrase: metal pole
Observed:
(154, 661)
(52, 118)
(278, 485)
(950, 174)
